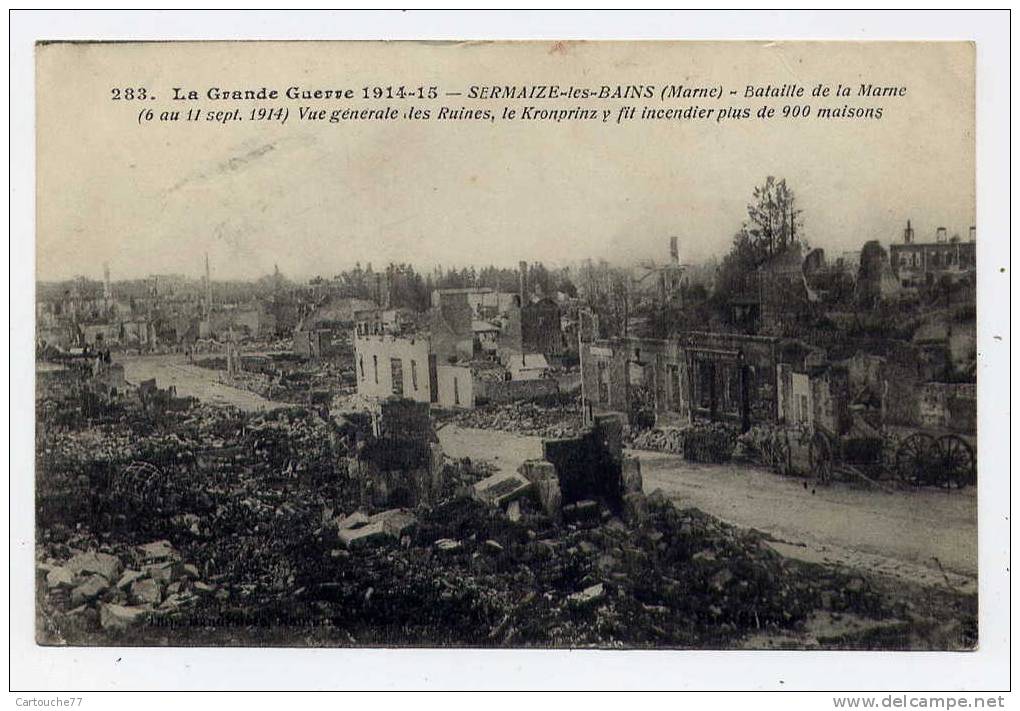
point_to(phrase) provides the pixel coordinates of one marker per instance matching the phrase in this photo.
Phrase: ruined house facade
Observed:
(714, 376)
(408, 367)
(871, 391)
(919, 264)
(395, 366)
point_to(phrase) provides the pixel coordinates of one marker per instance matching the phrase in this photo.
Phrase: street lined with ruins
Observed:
(925, 536)
(778, 451)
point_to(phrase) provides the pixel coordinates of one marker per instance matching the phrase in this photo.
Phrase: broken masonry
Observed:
(400, 461)
(576, 475)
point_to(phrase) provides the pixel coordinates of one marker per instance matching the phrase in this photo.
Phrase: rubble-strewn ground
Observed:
(551, 417)
(922, 535)
(284, 377)
(217, 526)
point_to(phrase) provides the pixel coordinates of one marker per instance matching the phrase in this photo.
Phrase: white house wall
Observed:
(372, 360)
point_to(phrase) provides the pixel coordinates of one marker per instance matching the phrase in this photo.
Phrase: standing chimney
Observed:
(973, 233)
(940, 235)
(107, 291)
(523, 276)
(908, 234)
(674, 250)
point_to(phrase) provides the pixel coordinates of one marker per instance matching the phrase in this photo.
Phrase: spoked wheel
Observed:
(954, 462)
(821, 457)
(915, 459)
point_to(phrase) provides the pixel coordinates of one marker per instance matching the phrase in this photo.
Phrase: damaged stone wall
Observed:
(759, 356)
(400, 463)
(456, 386)
(390, 365)
(949, 406)
(577, 476)
(660, 376)
(604, 375)
(590, 466)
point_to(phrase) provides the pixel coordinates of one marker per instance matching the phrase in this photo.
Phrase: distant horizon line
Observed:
(305, 278)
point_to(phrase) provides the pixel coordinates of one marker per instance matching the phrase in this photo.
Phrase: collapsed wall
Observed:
(400, 462)
(580, 474)
(590, 466)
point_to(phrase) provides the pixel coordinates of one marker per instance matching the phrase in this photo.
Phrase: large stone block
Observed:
(500, 488)
(109, 566)
(60, 577)
(363, 535)
(166, 572)
(117, 618)
(396, 522)
(129, 577)
(92, 588)
(589, 596)
(157, 552)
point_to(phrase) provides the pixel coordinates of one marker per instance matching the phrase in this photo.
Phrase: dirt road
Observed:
(927, 536)
(191, 381)
(504, 450)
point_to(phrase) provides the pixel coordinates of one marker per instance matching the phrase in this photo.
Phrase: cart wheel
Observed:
(915, 459)
(955, 461)
(820, 456)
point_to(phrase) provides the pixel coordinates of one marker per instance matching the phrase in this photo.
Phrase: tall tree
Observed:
(773, 217)
(773, 224)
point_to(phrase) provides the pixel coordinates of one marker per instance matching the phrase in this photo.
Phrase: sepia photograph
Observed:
(458, 393)
(517, 345)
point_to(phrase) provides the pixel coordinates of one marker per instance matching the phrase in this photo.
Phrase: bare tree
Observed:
(773, 218)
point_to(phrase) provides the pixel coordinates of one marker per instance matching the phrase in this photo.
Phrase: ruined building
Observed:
(715, 376)
(918, 264)
(875, 278)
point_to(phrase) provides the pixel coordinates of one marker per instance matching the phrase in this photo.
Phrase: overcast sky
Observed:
(315, 198)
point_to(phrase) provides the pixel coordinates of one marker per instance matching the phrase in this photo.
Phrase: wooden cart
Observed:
(924, 457)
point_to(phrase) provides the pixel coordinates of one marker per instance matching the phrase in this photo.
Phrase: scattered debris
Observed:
(118, 618)
(711, 442)
(555, 417)
(102, 564)
(60, 577)
(234, 523)
(588, 596)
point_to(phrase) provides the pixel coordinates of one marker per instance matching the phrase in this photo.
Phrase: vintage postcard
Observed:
(656, 345)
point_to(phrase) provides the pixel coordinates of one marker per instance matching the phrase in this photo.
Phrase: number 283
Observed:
(128, 94)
